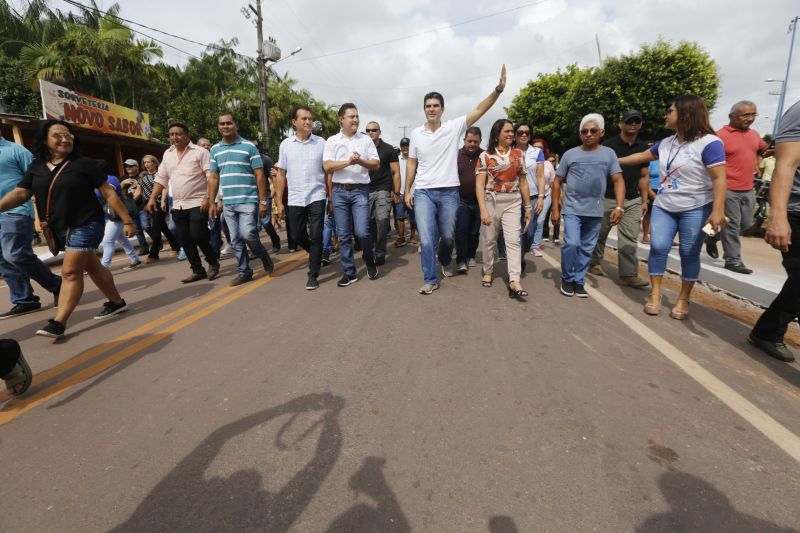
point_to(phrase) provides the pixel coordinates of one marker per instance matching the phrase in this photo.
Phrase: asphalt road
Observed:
(266, 407)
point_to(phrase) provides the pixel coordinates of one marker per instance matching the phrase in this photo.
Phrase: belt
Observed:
(349, 186)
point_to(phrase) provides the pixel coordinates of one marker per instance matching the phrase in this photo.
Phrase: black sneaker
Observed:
(213, 271)
(739, 269)
(711, 249)
(110, 309)
(240, 279)
(579, 291)
(380, 261)
(54, 329)
(312, 283)
(567, 288)
(269, 266)
(346, 280)
(326, 259)
(21, 309)
(778, 350)
(276, 249)
(196, 276)
(136, 264)
(372, 271)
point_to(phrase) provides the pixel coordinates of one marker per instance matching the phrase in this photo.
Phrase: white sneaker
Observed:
(226, 250)
(446, 272)
(472, 263)
(537, 252)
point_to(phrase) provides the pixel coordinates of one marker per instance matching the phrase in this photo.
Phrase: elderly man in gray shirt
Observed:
(585, 170)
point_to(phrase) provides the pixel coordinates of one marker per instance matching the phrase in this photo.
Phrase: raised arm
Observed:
(488, 102)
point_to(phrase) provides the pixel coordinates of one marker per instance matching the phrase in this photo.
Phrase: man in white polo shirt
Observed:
(349, 156)
(300, 165)
(433, 171)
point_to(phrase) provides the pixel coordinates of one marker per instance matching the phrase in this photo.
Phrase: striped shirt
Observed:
(236, 163)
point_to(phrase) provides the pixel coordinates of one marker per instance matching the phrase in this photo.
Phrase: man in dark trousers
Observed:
(468, 216)
(384, 188)
(783, 233)
(637, 185)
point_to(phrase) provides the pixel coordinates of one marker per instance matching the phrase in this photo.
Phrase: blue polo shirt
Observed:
(14, 162)
(235, 163)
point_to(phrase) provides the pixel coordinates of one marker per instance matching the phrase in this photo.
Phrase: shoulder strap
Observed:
(50, 190)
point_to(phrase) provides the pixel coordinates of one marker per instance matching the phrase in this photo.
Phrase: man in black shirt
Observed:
(468, 216)
(637, 185)
(384, 188)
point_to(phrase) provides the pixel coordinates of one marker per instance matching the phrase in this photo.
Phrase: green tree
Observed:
(646, 80)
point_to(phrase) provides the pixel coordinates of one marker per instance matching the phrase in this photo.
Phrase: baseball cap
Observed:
(631, 113)
(405, 141)
(131, 163)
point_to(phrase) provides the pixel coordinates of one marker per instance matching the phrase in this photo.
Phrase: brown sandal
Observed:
(680, 315)
(486, 280)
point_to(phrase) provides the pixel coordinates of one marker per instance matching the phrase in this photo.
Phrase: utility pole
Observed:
(404, 128)
(263, 119)
(599, 55)
(781, 100)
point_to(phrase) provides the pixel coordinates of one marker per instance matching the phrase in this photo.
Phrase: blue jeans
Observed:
(533, 237)
(467, 232)
(114, 234)
(351, 207)
(435, 212)
(689, 225)
(242, 220)
(580, 238)
(18, 263)
(84, 238)
(328, 229)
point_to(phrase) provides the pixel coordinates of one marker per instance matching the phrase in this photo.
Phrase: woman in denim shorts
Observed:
(73, 212)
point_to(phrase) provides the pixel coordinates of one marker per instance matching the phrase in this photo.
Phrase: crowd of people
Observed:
(342, 192)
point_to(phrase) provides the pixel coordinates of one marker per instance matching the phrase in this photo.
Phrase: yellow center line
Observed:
(100, 349)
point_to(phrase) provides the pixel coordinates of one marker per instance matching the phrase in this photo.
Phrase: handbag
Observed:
(109, 212)
(54, 243)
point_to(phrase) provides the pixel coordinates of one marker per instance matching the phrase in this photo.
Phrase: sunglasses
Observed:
(62, 136)
(372, 130)
(589, 131)
(633, 121)
(524, 132)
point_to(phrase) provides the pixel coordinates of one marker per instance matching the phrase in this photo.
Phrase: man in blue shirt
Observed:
(18, 263)
(238, 172)
(586, 170)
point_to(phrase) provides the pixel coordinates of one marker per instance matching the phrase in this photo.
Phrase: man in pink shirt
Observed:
(187, 167)
(743, 145)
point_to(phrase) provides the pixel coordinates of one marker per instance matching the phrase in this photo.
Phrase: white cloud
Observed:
(387, 82)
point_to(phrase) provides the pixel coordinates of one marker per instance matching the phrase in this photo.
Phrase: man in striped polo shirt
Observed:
(238, 173)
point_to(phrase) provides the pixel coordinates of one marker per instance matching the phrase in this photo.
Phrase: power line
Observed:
(204, 45)
(425, 32)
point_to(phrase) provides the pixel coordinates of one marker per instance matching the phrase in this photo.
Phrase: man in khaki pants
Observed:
(637, 185)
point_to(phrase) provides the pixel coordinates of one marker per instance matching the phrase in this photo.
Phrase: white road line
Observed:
(771, 428)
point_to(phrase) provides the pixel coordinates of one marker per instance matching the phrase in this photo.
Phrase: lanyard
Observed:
(670, 157)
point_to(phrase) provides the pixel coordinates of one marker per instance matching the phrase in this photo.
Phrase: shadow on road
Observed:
(696, 505)
(502, 524)
(186, 500)
(385, 515)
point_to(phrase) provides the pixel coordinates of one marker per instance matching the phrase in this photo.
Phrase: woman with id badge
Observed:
(691, 195)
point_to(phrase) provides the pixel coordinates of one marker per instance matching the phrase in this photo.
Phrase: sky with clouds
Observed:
(457, 46)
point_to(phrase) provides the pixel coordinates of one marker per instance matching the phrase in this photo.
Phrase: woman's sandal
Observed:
(680, 315)
(20, 377)
(515, 290)
(486, 280)
(653, 309)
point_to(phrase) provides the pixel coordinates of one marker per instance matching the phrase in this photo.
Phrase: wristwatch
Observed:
(263, 202)
(620, 208)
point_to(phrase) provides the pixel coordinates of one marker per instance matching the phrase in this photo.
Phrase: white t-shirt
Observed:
(437, 154)
(340, 147)
(683, 167)
(533, 158)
